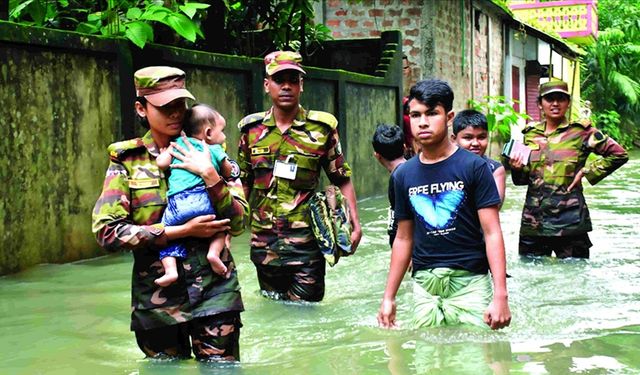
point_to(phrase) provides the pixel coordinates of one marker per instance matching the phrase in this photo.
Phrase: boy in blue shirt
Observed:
(471, 132)
(187, 196)
(448, 225)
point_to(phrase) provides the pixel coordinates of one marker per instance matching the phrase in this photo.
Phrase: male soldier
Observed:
(281, 152)
(555, 217)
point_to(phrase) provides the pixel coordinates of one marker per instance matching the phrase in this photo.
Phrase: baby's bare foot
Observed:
(216, 264)
(166, 280)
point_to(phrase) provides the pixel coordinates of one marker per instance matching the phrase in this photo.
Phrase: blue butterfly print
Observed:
(439, 210)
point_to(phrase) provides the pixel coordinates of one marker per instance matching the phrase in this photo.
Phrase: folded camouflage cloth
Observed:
(330, 223)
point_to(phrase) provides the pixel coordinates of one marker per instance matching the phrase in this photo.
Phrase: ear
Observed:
(140, 109)
(208, 131)
(266, 85)
(301, 84)
(450, 117)
(453, 138)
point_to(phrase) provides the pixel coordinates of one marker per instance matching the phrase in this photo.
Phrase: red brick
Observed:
(387, 23)
(341, 13)
(405, 22)
(334, 3)
(333, 23)
(337, 34)
(367, 24)
(351, 23)
(395, 12)
(384, 2)
(407, 42)
(357, 35)
(376, 12)
(374, 33)
(412, 32)
(414, 52)
(415, 12)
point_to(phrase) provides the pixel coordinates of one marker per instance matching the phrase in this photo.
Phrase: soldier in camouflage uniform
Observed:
(281, 153)
(201, 304)
(555, 217)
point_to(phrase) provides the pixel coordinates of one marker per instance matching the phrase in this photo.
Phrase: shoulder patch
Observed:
(117, 149)
(323, 117)
(251, 119)
(528, 128)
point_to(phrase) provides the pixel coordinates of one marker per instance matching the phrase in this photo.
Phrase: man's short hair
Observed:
(388, 141)
(469, 118)
(432, 92)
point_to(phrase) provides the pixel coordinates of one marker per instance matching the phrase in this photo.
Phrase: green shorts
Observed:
(444, 296)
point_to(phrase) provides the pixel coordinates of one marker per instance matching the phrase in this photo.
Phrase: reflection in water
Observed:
(568, 316)
(429, 357)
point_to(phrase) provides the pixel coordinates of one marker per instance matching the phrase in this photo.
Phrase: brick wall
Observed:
(369, 18)
(441, 38)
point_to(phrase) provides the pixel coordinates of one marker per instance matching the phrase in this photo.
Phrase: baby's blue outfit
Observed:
(187, 196)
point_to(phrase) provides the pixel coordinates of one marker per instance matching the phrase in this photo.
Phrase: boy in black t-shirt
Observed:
(446, 204)
(471, 132)
(388, 149)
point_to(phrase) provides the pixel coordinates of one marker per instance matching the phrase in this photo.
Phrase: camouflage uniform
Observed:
(127, 217)
(549, 210)
(282, 238)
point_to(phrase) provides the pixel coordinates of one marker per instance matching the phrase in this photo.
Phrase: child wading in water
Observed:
(471, 132)
(187, 196)
(446, 204)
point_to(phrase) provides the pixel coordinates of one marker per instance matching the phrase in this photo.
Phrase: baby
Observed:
(187, 196)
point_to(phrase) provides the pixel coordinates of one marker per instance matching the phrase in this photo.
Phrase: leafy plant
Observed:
(501, 116)
(609, 123)
(133, 19)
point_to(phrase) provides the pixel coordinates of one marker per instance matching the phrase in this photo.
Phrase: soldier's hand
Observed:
(577, 181)
(517, 161)
(356, 236)
(206, 226)
(194, 161)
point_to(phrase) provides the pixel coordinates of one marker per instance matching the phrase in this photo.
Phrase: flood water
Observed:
(569, 316)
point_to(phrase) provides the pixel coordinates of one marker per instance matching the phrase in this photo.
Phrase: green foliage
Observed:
(609, 123)
(280, 24)
(611, 69)
(501, 116)
(134, 19)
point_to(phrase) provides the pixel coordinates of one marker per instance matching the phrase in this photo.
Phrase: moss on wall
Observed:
(59, 110)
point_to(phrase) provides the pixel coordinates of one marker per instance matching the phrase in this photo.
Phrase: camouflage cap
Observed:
(282, 60)
(554, 86)
(161, 84)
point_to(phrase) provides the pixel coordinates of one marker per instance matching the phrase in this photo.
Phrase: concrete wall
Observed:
(65, 97)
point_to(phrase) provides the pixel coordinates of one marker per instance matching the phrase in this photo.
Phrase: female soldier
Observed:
(555, 216)
(201, 305)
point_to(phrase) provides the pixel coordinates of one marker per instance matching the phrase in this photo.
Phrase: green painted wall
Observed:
(66, 96)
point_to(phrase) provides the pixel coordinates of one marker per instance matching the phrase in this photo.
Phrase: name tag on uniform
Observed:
(259, 150)
(143, 183)
(285, 170)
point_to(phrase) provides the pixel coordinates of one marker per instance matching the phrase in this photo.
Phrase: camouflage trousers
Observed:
(293, 282)
(213, 338)
(563, 246)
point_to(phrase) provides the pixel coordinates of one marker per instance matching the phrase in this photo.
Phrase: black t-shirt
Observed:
(493, 164)
(392, 222)
(443, 200)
